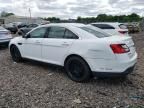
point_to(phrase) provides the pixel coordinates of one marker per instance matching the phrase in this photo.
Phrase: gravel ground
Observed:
(36, 85)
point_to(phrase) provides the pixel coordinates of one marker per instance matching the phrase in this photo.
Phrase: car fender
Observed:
(15, 42)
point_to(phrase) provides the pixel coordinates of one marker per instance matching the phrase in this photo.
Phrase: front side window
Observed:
(56, 32)
(38, 33)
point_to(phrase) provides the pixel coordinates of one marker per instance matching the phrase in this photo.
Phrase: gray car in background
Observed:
(26, 29)
(5, 36)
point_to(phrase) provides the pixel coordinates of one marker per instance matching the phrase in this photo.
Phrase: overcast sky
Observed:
(72, 8)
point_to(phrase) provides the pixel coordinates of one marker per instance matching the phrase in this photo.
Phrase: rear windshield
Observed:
(95, 32)
(103, 26)
(122, 26)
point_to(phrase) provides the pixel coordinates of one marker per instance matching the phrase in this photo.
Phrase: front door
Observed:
(32, 45)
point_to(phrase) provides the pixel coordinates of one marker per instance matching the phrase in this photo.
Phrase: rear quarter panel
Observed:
(91, 49)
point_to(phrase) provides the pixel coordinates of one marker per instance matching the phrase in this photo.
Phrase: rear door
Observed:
(57, 44)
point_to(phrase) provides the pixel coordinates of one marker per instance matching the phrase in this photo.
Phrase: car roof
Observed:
(70, 25)
(74, 27)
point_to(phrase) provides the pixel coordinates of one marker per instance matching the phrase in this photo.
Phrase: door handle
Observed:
(19, 43)
(38, 42)
(65, 44)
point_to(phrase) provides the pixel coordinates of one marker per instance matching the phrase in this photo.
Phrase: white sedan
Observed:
(5, 36)
(83, 50)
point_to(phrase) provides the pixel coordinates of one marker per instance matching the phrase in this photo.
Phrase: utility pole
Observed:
(30, 12)
(30, 15)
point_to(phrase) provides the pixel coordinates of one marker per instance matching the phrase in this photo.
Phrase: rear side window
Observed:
(70, 35)
(56, 32)
(94, 32)
(122, 26)
(61, 32)
(103, 26)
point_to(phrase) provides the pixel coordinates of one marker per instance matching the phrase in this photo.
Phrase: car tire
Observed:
(15, 53)
(77, 69)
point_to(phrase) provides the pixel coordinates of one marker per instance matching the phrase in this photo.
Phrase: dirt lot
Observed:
(37, 85)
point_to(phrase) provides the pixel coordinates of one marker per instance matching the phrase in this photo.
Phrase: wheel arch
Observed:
(12, 45)
(76, 55)
(15, 46)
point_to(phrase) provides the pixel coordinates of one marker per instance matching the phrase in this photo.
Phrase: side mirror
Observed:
(23, 36)
(19, 33)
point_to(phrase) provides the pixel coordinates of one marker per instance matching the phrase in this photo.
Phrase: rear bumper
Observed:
(114, 74)
(112, 66)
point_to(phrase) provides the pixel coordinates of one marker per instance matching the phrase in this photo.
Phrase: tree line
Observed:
(6, 14)
(109, 18)
(101, 18)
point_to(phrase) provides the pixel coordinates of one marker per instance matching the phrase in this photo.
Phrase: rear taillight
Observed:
(119, 48)
(122, 32)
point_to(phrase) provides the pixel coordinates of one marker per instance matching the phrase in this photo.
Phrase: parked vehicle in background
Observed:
(11, 27)
(21, 25)
(5, 36)
(136, 28)
(112, 28)
(26, 29)
(132, 28)
(83, 50)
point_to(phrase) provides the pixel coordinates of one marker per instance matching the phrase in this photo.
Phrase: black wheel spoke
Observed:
(76, 69)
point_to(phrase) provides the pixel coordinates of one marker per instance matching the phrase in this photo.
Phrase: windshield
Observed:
(95, 31)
